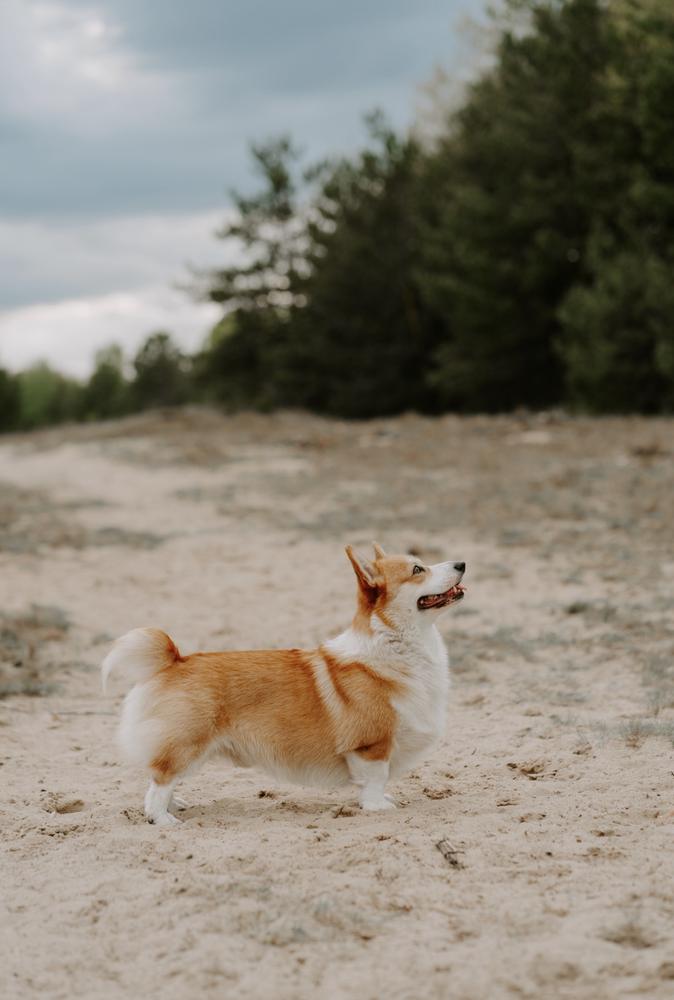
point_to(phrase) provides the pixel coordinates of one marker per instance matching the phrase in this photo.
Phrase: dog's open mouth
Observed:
(450, 596)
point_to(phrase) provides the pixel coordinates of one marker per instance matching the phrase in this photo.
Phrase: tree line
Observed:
(521, 256)
(160, 375)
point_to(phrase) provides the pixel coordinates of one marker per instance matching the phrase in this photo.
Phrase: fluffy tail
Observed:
(139, 655)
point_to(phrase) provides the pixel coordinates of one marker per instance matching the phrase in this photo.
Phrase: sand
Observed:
(554, 784)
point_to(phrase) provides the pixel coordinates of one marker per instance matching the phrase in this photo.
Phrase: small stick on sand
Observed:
(449, 853)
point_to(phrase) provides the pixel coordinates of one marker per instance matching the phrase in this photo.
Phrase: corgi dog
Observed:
(363, 707)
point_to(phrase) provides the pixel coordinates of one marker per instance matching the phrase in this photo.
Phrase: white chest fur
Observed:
(422, 707)
(417, 659)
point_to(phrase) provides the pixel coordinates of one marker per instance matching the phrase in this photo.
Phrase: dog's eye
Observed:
(418, 569)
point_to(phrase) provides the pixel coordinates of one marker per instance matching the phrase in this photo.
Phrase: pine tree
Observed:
(237, 366)
(508, 211)
(9, 401)
(617, 340)
(162, 375)
(357, 342)
(106, 394)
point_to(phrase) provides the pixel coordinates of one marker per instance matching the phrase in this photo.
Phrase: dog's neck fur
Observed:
(391, 645)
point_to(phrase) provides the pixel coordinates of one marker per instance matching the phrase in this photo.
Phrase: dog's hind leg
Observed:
(167, 768)
(173, 737)
(158, 800)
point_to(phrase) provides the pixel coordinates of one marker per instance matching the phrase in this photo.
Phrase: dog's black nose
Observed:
(459, 567)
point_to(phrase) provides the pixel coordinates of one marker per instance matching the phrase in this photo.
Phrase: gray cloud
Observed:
(190, 85)
(124, 123)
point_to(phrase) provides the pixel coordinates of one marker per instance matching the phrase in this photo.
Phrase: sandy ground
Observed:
(554, 783)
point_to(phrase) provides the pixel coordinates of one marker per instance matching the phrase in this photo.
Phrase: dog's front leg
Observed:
(369, 770)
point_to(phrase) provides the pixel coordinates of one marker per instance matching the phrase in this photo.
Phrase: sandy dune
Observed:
(554, 783)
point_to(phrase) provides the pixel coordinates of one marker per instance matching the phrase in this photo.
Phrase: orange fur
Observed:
(378, 583)
(269, 696)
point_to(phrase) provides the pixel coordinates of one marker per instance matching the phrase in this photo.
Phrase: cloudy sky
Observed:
(124, 123)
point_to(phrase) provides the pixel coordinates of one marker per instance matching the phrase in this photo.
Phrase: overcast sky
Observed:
(124, 123)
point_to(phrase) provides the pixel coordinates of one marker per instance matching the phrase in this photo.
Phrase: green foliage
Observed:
(46, 397)
(162, 374)
(266, 234)
(508, 210)
(327, 307)
(358, 340)
(107, 393)
(521, 260)
(619, 341)
(617, 338)
(235, 367)
(10, 401)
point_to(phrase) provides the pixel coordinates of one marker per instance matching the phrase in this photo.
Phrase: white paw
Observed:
(178, 803)
(164, 819)
(378, 805)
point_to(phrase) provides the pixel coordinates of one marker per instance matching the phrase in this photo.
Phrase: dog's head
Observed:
(403, 588)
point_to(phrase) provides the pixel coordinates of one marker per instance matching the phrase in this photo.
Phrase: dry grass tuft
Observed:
(31, 521)
(629, 934)
(636, 731)
(27, 640)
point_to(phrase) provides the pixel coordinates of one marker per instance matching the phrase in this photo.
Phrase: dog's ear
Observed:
(365, 572)
(378, 551)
